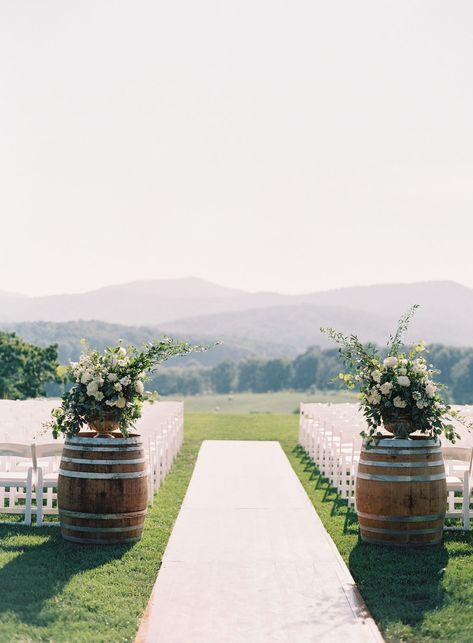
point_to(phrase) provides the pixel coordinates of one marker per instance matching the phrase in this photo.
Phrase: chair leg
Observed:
(29, 493)
(466, 501)
(39, 498)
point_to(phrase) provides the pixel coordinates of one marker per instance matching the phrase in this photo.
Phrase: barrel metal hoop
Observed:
(90, 516)
(376, 451)
(429, 518)
(404, 465)
(103, 476)
(100, 462)
(407, 443)
(100, 541)
(391, 478)
(96, 529)
(402, 532)
(393, 543)
(102, 441)
(73, 447)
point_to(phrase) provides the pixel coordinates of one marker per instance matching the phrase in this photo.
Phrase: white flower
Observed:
(86, 377)
(92, 388)
(420, 404)
(121, 352)
(386, 388)
(139, 387)
(400, 404)
(389, 362)
(118, 387)
(404, 362)
(402, 371)
(376, 375)
(110, 402)
(99, 396)
(375, 397)
(120, 403)
(112, 377)
(125, 380)
(403, 381)
(430, 389)
(419, 366)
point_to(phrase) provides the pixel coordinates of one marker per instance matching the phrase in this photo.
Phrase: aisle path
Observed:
(249, 561)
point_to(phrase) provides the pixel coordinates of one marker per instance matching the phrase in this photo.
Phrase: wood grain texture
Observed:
(401, 492)
(102, 490)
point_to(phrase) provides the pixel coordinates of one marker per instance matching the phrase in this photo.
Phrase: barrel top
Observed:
(95, 441)
(402, 443)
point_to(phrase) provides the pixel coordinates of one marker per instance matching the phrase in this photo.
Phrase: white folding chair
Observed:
(459, 470)
(46, 459)
(16, 479)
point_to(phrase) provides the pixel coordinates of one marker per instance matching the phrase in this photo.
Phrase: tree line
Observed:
(27, 371)
(315, 369)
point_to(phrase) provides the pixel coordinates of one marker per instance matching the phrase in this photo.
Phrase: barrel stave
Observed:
(103, 490)
(401, 492)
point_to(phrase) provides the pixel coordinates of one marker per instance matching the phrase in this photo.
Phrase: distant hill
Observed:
(99, 334)
(262, 323)
(137, 303)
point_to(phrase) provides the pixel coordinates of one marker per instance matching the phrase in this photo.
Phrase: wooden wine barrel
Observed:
(102, 489)
(401, 492)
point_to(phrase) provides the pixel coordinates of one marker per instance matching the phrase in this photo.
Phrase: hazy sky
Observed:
(291, 146)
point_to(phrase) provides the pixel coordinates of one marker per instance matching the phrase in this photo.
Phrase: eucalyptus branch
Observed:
(396, 340)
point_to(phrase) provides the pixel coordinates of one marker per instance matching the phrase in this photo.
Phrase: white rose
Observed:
(112, 377)
(400, 404)
(139, 387)
(402, 371)
(386, 388)
(120, 403)
(92, 388)
(121, 352)
(430, 389)
(420, 404)
(375, 397)
(99, 396)
(403, 381)
(376, 375)
(125, 380)
(86, 377)
(118, 387)
(389, 362)
(419, 366)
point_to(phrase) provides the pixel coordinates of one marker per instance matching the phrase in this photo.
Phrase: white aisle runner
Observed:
(249, 561)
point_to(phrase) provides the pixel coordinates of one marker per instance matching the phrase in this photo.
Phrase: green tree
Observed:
(25, 368)
(222, 377)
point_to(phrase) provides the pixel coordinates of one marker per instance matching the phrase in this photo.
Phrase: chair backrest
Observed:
(49, 450)
(461, 454)
(15, 449)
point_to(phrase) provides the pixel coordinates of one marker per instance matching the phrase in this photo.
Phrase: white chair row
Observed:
(24, 471)
(329, 434)
(29, 472)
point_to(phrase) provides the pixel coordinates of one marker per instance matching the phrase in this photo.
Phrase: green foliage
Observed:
(399, 389)
(110, 385)
(24, 368)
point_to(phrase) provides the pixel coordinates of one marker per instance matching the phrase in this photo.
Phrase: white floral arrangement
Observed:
(398, 391)
(110, 386)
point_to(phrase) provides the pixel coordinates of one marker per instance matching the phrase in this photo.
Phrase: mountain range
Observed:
(267, 323)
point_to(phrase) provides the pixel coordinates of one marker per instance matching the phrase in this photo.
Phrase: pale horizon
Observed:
(285, 147)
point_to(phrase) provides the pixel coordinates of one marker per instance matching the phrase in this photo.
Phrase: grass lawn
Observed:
(54, 591)
(280, 402)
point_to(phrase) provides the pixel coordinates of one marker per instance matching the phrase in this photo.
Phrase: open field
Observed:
(55, 591)
(281, 402)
